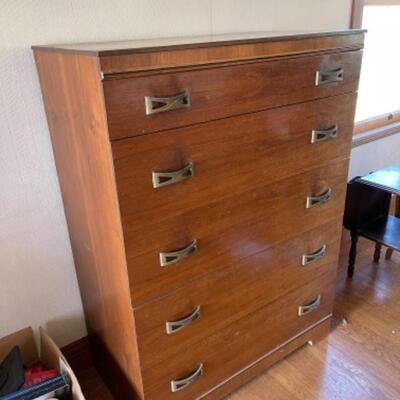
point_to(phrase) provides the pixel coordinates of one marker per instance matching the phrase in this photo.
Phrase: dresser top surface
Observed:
(167, 43)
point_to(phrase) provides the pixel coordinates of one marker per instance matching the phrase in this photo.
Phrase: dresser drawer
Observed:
(231, 155)
(231, 349)
(207, 305)
(228, 229)
(144, 104)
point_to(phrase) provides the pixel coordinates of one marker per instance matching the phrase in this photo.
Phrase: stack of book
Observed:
(34, 383)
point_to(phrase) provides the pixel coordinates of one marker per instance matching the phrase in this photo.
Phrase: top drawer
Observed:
(144, 104)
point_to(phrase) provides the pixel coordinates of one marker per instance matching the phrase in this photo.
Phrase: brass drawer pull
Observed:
(175, 326)
(326, 77)
(161, 179)
(179, 384)
(156, 105)
(324, 134)
(313, 201)
(307, 308)
(172, 257)
(317, 255)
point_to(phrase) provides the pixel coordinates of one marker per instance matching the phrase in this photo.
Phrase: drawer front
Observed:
(144, 104)
(207, 305)
(231, 155)
(228, 229)
(226, 352)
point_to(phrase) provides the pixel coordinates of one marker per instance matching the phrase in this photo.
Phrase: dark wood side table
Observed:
(387, 179)
(367, 212)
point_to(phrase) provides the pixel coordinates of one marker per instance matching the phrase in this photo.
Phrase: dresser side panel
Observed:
(73, 97)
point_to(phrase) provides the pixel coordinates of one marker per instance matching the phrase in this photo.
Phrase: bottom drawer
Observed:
(196, 370)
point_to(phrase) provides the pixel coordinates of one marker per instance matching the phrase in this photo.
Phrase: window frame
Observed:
(378, 126)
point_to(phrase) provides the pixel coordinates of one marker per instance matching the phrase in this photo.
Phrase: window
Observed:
(378, 108)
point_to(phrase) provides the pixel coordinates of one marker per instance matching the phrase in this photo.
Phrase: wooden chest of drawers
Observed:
(203, 182)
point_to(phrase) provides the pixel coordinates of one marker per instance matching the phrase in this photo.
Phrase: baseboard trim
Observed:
(78, 354)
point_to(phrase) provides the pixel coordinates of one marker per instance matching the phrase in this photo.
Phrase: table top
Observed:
(387, 179)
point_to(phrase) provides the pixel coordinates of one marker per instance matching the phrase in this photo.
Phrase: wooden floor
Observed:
(360, 360)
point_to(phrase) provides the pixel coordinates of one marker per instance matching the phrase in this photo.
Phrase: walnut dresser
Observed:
(203, 181)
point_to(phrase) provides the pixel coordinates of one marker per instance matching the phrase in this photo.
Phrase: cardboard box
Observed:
(50, 355)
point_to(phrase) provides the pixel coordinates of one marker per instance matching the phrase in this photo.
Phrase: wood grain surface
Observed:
(230, 155)
(235, 292)
(348, 364)
(223, 92)
(75, 111)
(227, 229)
(152, 54)
(333, 39)
(248, 339)
(247, 280)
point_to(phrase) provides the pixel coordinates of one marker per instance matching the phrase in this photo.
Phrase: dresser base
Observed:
(315, 334)
(112, 375)
(120, 388)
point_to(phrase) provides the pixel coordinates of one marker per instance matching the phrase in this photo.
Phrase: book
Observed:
(52, 388)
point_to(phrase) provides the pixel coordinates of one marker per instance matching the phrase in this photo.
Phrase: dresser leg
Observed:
(353, 254)
(377, 253)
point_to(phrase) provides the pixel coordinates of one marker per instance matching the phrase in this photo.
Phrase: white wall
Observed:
(37, 277)
(375, 155)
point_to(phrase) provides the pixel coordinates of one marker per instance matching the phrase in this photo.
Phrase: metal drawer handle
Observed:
(156, 105)
(324, 134)
(317, 255)
(303, 310)
(161, 179)
(180, 384)
(313, 201)
(172, 257)
(326, 77)
(175, 326)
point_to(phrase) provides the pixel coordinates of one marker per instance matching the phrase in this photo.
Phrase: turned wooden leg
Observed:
(389, 253)
(353, 254)
(377, 253)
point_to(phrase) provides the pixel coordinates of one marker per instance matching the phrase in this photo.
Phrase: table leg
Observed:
(352, 254)
(377, 253)
(389, 252)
